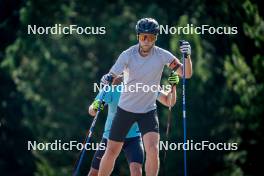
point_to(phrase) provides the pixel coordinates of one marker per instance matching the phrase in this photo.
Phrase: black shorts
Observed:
(132, 147)
(123, 120)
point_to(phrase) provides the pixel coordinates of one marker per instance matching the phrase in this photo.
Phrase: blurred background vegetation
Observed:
(46, 81)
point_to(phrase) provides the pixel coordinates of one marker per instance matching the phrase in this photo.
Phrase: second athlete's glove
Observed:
(173, 78)
(96, 103)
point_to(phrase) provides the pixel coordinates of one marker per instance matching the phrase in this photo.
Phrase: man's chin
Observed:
(146, 48)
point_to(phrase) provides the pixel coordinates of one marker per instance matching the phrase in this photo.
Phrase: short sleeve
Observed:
(167, 57)
(120, 64)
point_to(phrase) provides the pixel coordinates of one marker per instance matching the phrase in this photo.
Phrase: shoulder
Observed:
(167, 56)
(130, 50)
(161, 51)
(129, 53)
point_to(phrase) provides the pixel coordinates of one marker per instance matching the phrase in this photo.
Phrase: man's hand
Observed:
(106, 79)
(185, 48)
(173, 78)
(95, 105)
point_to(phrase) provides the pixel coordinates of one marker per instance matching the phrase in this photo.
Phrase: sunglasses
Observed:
(149, 38)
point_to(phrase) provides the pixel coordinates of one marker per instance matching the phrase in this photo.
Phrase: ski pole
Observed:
(168, 122)
(89, 135)
(184, 112)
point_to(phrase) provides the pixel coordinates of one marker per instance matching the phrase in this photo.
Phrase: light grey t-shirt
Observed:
(141, 72)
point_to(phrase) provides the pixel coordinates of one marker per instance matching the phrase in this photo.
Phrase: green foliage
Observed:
(47, 82)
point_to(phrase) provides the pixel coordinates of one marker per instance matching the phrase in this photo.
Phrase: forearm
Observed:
(171, 97)
(188, 67)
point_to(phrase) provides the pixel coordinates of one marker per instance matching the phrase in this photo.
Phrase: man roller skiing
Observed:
(142, 63)
(132, 147)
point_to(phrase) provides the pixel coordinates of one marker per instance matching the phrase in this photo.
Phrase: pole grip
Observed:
(181, 43)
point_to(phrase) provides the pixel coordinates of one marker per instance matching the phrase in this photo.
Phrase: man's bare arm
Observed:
(168, 98)
(178, 67)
